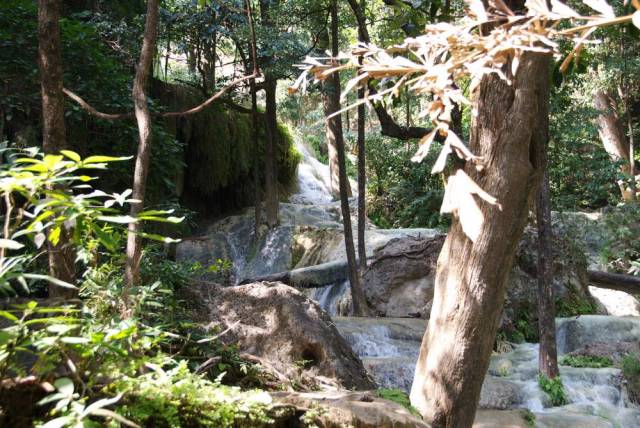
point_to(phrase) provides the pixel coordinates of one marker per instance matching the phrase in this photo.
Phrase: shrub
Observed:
(587, 361)
(554, 390)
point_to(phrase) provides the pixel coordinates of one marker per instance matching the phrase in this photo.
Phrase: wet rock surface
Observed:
(339, 409)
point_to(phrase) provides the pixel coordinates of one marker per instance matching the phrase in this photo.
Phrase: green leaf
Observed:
(54, 235)
(60, 422)
(102, 159)
(50, 279)
(119, 219)
(10, 244)
(64, 385)
(8, 315)
(74, 340)
(71, 155)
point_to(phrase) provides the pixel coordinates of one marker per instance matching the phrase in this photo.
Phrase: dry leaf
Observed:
(459, 200)
(477, 10)
(425, 145)
(601, 6)
(563, 10)
(636, 19)
(441, 162)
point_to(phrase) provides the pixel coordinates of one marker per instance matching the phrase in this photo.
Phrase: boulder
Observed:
(399, 281)
(499, 394)
(616, 351)
(337, 409)
(282, 329)
(577, 332)
(400, 278)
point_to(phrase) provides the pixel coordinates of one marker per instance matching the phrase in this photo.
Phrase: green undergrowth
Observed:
(631, 372)
(586, 361)
(398, 396)
(554, 390)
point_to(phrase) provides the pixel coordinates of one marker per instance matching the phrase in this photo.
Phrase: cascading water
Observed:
(389, 349)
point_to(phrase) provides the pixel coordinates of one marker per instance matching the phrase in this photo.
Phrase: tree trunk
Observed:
(548, 356)
(143, 118)
(62, 255)
(471, 276)
(331, 101)
(612, 135)
(362, 173)
(270, 174)
(256, 160)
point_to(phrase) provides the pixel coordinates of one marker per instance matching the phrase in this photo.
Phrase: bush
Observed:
(587, 361)
(554, 390)
(631, 373)
(622, 249)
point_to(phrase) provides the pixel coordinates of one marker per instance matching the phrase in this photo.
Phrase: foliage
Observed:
(179, 398)
(47, 195)
(631, 372)
(529, 417)
(554, 390)
(621, 251)
(402, 194)
(574, 306)
(398, 396)
(589, 361)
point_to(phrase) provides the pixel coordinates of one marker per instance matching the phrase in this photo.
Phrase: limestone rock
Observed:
(400, 279)
(282, 327)
(576, 332)
(499, 394)
(339, 409)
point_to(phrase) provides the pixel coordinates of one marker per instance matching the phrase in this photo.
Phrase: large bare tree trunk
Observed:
(612, 134)
(62, 255)
(471, 277)
(143, 118)
(331, 101)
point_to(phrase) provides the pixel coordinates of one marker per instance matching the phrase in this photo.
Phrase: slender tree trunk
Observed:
(331, 101)
(62, 255)
(548, 357)
(362, 173)
(256, 159)
(270, 174)
(143, 118)
(612, 135)
(471, 276)
(271, 125)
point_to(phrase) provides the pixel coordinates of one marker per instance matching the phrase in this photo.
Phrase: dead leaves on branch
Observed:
(487, 41)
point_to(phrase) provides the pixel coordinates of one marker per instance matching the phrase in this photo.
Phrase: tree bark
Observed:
(270, 174)
(612, 135)
(143, 119)
(471, 276)
(270, 87)
(62, 255)
(614, 281)
(362, 173)
(331, 101)
(548, 354)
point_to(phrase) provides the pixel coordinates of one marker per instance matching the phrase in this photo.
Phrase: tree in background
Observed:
(335, 139)
(61, 251)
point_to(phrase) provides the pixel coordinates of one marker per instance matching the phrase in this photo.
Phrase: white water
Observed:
(314, 179)
(389, 349)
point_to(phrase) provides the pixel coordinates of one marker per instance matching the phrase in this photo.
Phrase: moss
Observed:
(575, 305)
(219, 151)
(399, 397)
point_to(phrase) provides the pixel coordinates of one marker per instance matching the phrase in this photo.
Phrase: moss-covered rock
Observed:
(219, 151)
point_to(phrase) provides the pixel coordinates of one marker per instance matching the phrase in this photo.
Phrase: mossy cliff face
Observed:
(219, 154)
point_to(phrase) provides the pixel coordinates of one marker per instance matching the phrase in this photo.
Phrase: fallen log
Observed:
(614, 281)
(307, 277)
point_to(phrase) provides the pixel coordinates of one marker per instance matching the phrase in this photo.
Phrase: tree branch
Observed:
(108, 116)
